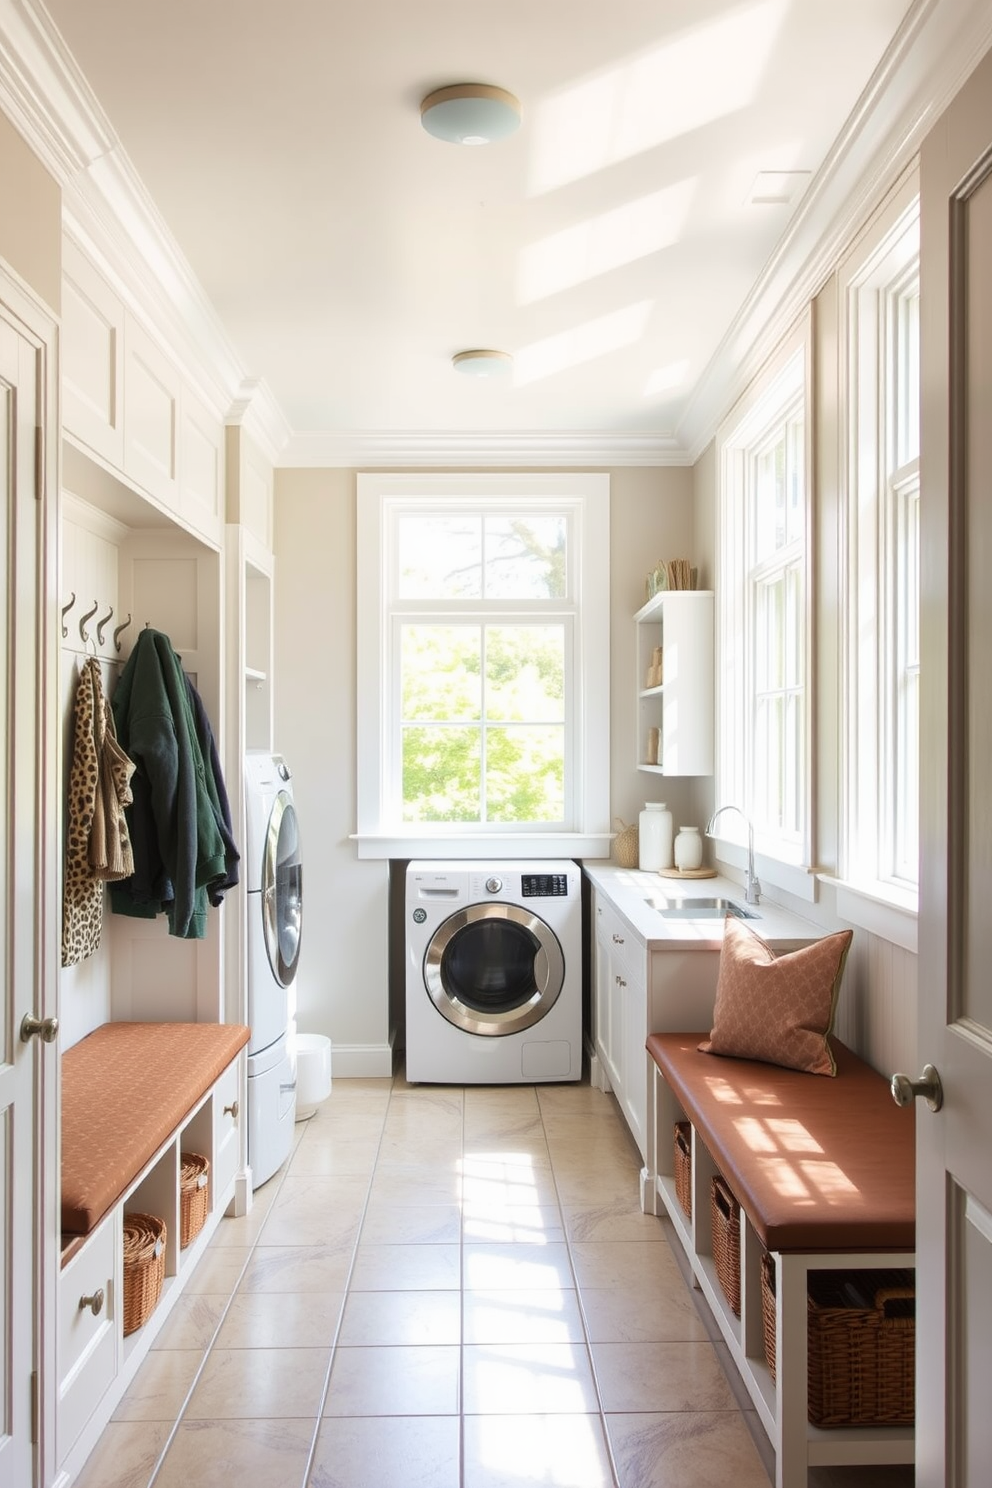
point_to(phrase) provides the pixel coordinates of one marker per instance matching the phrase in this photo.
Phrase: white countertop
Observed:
(629, 890)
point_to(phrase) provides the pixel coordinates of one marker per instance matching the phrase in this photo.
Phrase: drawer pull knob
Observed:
(94, 1303)
(617, 939)
(232, 1110)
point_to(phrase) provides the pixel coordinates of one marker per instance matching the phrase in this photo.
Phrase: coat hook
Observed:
(117, 631)
(102, 625)
(65, 610)
(83, 619)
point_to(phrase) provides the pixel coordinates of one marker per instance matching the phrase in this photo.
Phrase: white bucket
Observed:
(313, 1072)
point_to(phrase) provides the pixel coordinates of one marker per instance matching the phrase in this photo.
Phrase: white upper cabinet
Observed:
(92, 358)
(125, 402)
(674, 658)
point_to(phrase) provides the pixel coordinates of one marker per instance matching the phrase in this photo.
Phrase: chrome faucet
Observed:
(752, 888)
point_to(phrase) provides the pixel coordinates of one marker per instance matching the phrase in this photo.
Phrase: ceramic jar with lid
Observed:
(654, 835)
(688, 849)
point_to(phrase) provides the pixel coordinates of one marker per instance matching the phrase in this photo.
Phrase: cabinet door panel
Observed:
(201, 469)
(92, 357)
(151, 416)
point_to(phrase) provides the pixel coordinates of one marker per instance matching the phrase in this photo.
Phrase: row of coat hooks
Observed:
(101, 625)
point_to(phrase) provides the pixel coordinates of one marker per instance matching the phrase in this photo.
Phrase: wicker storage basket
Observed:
(862, 1345)
(144, 1267)
(194, 1196)
(625, 845)
(725, 1215)
(683, 1166)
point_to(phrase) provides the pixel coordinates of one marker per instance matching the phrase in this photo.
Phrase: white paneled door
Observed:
(954, 1143)
(27, 1066)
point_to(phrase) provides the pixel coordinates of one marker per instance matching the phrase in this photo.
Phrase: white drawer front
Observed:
(87, 1329)
(228, 1116)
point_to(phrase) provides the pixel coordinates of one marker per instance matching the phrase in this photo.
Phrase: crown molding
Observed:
(936, 47)
(256, 411)
(438, 449)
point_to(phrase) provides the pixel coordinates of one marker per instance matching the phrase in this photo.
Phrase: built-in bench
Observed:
(824, 1171)
(134, 1097)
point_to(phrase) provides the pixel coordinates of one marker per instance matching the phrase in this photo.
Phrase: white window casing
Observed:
(581, 615)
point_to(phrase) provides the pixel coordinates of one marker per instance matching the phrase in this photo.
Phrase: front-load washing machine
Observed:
(274, 881)
(493, 972)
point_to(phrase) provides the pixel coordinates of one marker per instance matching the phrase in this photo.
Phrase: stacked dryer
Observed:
(275, 907)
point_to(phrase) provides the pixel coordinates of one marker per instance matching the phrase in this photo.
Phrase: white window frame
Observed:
(877, 482)
(585, 499)
(782, 859)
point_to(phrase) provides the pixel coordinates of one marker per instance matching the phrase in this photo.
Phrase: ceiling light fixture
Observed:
(482, 363)
(470, 113)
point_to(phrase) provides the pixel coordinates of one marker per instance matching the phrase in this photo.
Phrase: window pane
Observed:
(525, 774)
(525, 557)
(439, 557)
(908, 378)
(769, 500)
(525, 673)
(795, 480)
(441, 774)
(441, 672)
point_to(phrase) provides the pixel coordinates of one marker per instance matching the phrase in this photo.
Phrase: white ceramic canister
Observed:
(654, 837)
(688, 849)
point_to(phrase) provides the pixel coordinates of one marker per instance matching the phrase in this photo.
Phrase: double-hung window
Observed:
(880, 340)
(763, 692)
(483, 662)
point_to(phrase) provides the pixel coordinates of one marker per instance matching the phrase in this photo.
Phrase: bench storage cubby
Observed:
(823, 1170)
(135, 1098)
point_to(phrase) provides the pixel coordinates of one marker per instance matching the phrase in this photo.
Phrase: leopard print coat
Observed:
(98, 846)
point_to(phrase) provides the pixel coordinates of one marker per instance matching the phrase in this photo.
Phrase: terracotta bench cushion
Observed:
(817, 1165)
(126, 1087)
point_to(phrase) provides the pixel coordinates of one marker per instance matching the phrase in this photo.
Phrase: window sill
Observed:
(879, 908)
(483, 845)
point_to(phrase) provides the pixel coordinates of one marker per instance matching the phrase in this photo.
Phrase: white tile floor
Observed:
(444, 1288)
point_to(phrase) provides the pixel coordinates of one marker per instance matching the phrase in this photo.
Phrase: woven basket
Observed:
(194, 1196)
(725, 1215)
(144, 1267)
(683, 1166)
(862, 1345)
(625, 845)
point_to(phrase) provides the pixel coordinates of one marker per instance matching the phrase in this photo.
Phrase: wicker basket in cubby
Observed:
(683, 1166)
(144, 1267)
(725, 1216)
(862, 1344)
(194, 1196)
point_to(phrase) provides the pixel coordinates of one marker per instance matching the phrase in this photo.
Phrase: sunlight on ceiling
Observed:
(582, 343)
(605, 242)
(713, 71)
(666, 379)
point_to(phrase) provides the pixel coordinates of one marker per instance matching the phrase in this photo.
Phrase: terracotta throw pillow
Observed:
(777, 1008)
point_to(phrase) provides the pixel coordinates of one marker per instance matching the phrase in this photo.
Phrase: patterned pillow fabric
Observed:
(777, 1008)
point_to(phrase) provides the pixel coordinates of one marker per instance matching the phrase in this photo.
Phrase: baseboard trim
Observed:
(360, 1062)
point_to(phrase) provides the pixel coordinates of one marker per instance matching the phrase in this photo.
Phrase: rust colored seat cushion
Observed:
(126, 1087)
(817, 1165)
(777, 1008)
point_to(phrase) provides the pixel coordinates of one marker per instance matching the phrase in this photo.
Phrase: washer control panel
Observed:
(543, 885)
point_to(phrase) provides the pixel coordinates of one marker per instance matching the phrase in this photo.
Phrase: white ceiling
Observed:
(610, 245)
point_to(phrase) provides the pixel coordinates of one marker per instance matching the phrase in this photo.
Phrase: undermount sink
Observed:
(700, 909)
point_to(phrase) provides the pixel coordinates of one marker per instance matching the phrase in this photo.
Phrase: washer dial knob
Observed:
(493, 885)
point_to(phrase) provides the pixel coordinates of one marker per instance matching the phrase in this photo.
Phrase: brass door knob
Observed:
(94, 1303)
(232, 1110)
(905, 1091)
(47, 1029)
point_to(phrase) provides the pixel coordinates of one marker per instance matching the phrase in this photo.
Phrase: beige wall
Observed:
(30, 217)
(877, 1011)
(342, 986)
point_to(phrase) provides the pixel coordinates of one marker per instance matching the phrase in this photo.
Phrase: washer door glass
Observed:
(494, 969)
(282, 890)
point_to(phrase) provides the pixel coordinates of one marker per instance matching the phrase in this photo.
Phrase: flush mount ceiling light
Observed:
(470, 113)
(482, 363)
